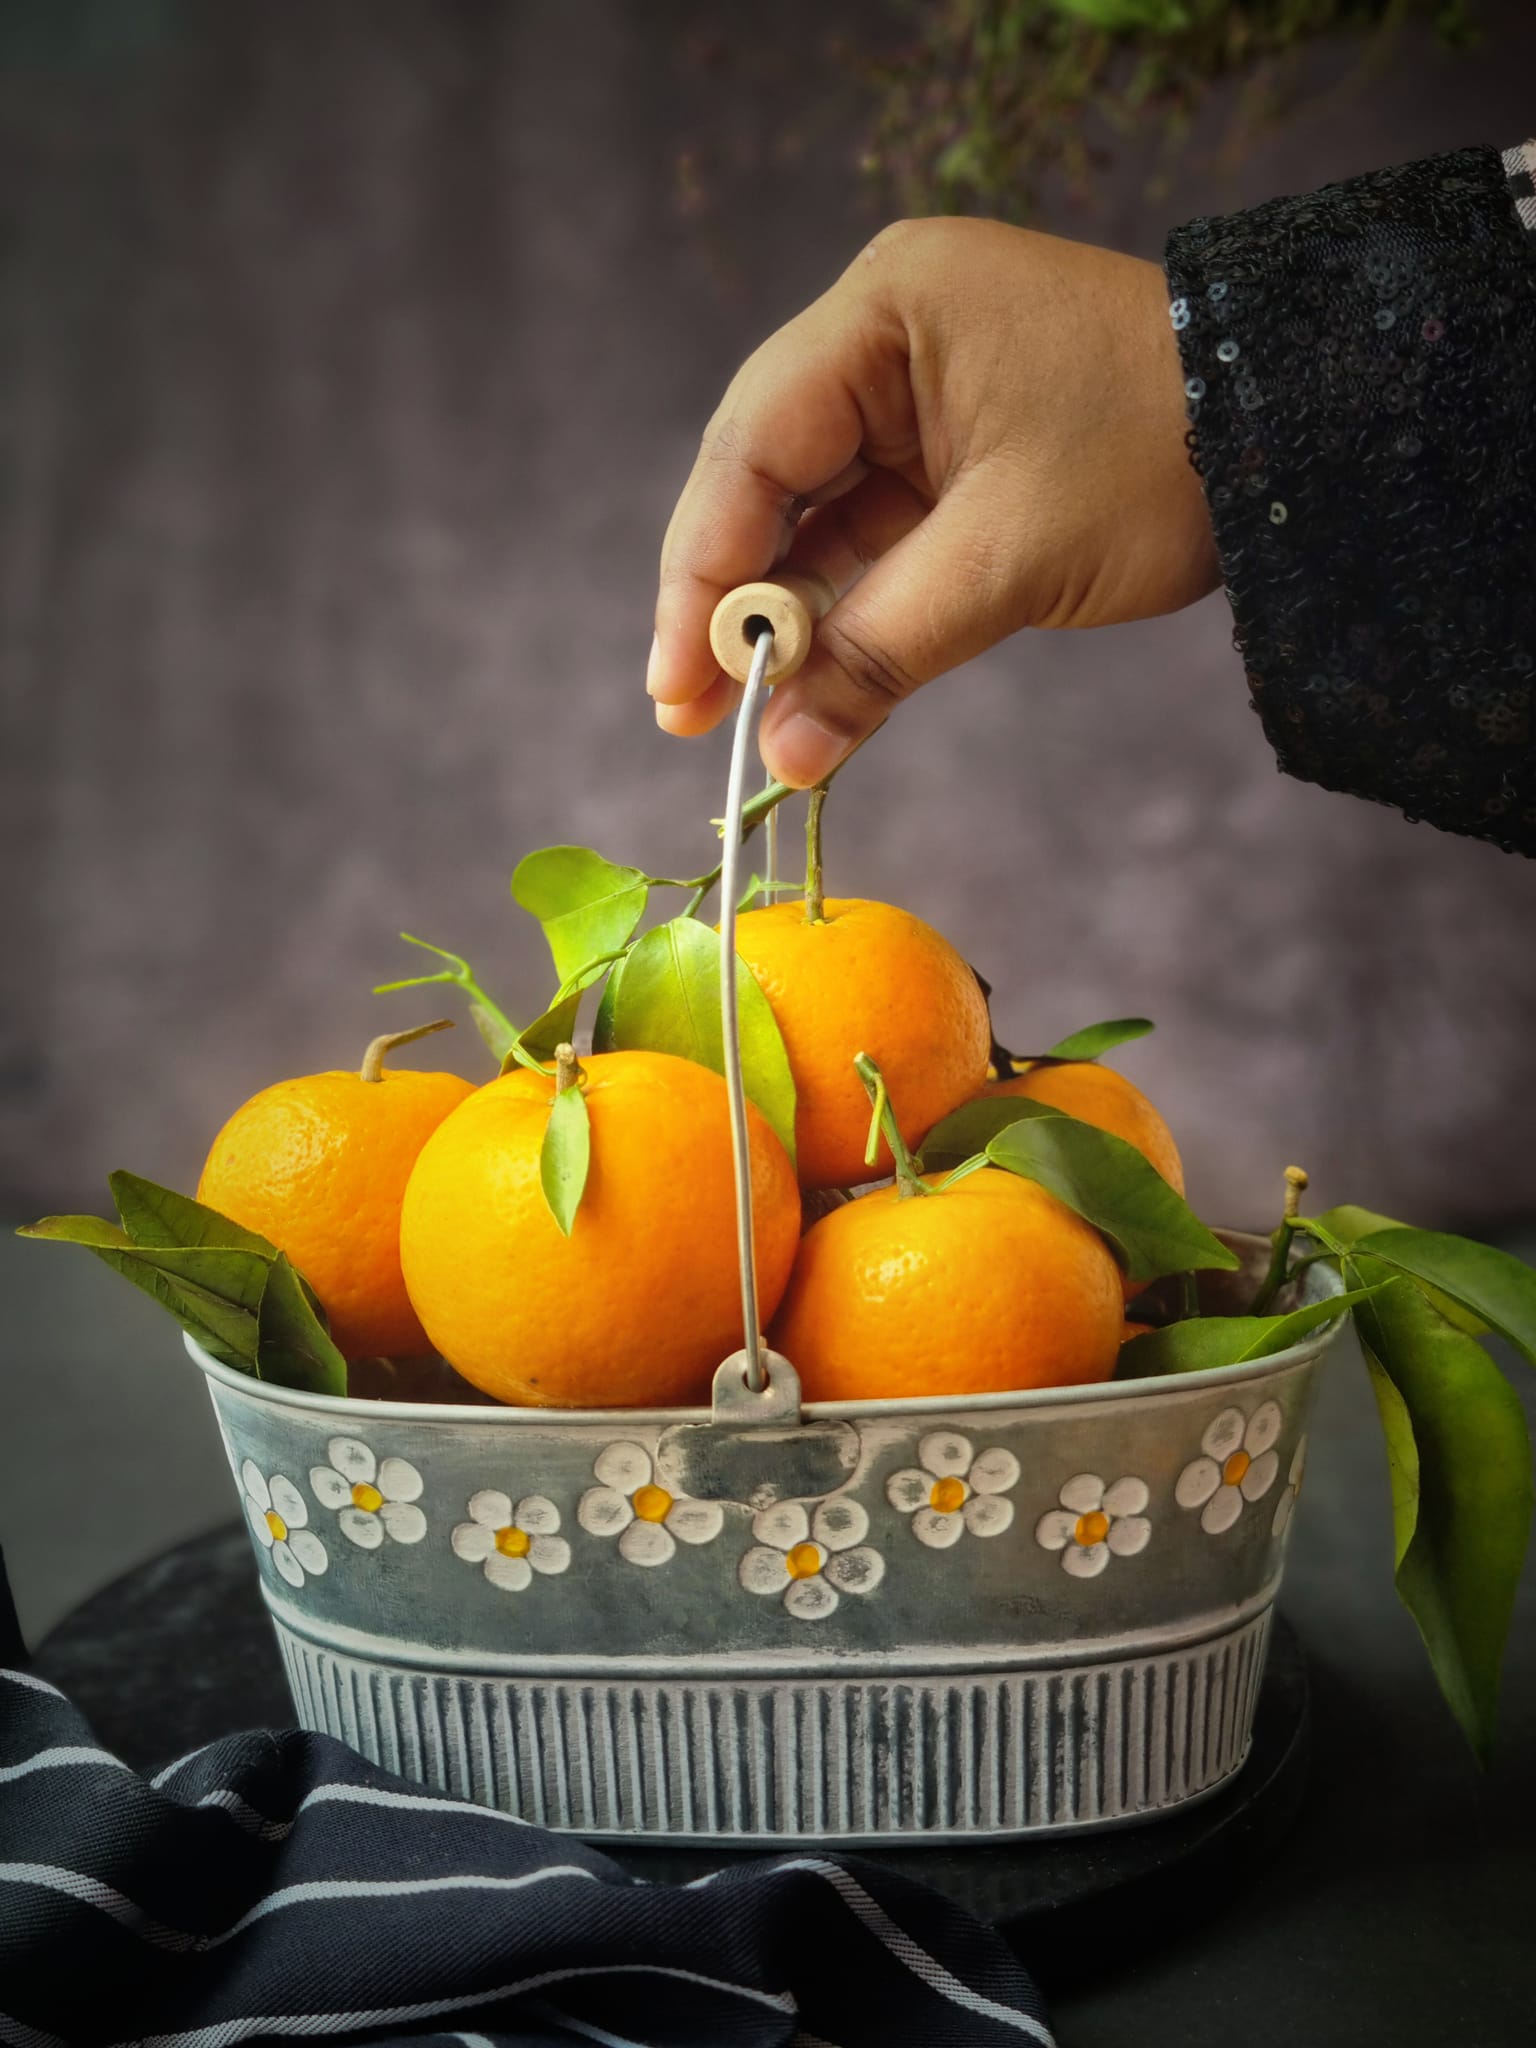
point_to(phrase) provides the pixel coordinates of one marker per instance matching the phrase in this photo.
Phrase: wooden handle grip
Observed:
(793, 605)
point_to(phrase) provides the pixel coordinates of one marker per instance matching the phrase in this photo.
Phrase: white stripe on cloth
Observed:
(1520, 159)
(326, 1891)
(58, 1760)
(162, 1777)
(90, 1891)
(359, 1795)
(310, 2025)
(244, 1815)
(917, 1960)
(587, 2029)
(32, 1684)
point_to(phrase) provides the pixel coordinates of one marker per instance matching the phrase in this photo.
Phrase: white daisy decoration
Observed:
(811, 1560)
(1238, 1464)
(510, 1542)
(1286, 1504)
(649, 1521)
(1095, 1522)
(375, 1499)
(277, 1513)
(951, 1491)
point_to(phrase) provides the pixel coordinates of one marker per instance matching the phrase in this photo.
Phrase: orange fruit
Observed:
(987, 1286)
(319, 1165)
(642, 1301)
(1098, 1095)
(873, 979)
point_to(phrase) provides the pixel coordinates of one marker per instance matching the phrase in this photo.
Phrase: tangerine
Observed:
(985, 1286)
(642, 1301)
(319, 1166)
(867, 977)
(1098, 1095)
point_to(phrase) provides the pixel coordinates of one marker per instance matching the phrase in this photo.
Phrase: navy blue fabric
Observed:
(275, 1887)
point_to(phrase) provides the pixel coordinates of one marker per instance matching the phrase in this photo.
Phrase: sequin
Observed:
(1406, 463)
(1178, 313)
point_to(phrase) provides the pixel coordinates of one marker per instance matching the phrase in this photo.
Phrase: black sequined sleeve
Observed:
(1361, 380)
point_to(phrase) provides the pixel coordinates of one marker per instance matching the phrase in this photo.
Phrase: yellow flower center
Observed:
(512, 1542)
(1091, 1528)
(804, 1561)
(367, 1497)
(945, 1495)
(652, 1503)
(1233, 1470)
(277, 1525)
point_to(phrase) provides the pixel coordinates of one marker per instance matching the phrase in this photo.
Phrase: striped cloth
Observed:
(1520, 177)
(275, 1887)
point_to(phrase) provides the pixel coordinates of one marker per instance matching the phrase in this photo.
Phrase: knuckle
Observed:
(875, 674)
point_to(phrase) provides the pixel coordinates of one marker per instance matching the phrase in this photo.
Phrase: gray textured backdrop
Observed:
(350, 357)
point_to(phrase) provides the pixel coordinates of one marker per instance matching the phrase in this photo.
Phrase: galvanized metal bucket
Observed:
(927, 1620)
(867, 1621)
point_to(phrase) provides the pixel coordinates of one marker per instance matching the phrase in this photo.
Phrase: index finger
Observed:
(786, 435)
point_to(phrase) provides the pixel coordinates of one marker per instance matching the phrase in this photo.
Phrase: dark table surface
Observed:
(1398, 1906)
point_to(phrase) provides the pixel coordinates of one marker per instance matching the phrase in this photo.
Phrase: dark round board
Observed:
(179, 1651)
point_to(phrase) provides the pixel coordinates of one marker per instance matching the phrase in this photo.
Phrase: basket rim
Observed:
(1320, 1283)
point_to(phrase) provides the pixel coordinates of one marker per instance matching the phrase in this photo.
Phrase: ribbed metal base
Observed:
(826, 1759)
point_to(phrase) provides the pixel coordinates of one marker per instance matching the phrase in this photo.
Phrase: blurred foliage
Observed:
(984, 100)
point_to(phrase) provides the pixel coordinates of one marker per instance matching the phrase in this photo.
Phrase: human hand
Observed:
(978, 428)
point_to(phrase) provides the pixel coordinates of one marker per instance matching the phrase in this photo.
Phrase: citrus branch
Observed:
(883, 1123)
(457, 974)
(1274, 1279)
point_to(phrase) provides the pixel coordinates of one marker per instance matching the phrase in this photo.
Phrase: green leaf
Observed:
(669, 1001)
(1201, 1342)
(602, 1023)
(234, 1293)
(565, 1156)
(1348, 1222)
(153, 1215)
(1460, 1462)
(293, 1346)
(1495, 1288)
(493, 1029)
(1150, 1227)
(224, 1327)
(970, 1129)
(587, 905)
(1096, 1039)
(557, 1026)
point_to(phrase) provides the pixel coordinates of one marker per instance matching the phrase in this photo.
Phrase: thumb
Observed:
(945, 592)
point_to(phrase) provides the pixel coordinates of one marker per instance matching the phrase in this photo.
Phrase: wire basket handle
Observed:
(760, 634)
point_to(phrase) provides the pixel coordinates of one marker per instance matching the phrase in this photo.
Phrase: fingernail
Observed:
(652, 665)
(801, 751)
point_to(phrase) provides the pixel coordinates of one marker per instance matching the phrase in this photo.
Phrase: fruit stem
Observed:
(1274, 1279)
(372, 1068)
(569, 1071)
(753, 811)
(883, 1123)
(814, 911)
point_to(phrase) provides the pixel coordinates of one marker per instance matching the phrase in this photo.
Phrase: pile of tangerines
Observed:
(412, 1201)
